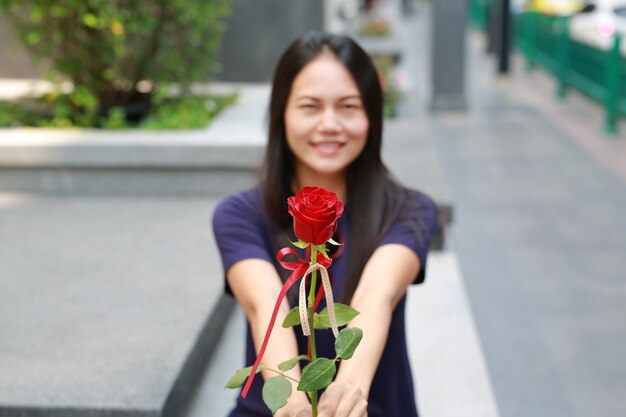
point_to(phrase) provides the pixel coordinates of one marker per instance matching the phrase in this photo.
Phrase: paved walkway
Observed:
(540, 195)
(541, 239)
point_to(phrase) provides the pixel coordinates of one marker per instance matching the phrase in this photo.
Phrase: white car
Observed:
(599, 22)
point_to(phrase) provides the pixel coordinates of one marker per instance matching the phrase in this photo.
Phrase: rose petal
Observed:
(325, 234)
(303, 231)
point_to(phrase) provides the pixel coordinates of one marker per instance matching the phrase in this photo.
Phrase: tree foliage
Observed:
(119, 52)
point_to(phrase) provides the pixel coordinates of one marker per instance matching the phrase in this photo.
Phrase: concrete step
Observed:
(211, 398)
(109, 306)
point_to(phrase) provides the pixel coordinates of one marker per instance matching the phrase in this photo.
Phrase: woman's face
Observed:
(325, 121)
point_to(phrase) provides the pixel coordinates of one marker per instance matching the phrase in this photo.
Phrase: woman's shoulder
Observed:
(244, 204)
(419, 213)
(240, 229)
(419, 204)
(242, 207)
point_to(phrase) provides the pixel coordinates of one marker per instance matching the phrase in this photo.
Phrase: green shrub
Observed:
(118, 53)
(179, 112)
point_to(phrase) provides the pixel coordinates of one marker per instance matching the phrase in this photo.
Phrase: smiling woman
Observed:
(325, 122)
(325, 130)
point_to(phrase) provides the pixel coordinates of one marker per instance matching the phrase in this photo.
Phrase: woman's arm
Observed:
(386, 276)
(256, 285)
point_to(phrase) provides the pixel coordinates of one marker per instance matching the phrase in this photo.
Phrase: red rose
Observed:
(315, 212)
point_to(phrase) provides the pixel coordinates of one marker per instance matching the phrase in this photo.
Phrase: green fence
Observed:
(545, 41)
(479, 13)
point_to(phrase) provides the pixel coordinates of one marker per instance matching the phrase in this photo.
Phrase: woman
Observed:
(325, 130)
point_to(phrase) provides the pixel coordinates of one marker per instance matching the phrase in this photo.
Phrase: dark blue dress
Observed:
(242, 232)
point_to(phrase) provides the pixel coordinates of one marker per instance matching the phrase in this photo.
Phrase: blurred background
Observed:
(123, 124)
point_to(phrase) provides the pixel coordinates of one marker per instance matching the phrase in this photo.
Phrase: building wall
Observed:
(258, 32)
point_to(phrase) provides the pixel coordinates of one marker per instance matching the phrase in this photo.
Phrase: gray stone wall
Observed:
(258, 32)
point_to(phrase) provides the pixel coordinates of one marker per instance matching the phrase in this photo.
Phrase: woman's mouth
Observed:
(327, 148)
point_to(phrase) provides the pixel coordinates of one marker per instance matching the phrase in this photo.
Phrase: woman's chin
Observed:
(327, 170)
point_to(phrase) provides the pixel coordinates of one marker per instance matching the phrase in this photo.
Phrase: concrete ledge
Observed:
(220, 159)
(173, 154)
(170, 181)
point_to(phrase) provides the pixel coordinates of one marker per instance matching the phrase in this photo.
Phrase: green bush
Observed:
(118, 53)
(186, 112)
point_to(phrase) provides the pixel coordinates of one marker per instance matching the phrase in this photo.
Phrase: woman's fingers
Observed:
(359, 409)
(302, 412)
(342, 399)
(329, 401)
(297, 406)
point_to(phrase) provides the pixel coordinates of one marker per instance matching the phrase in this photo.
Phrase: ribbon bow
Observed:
(301, 268)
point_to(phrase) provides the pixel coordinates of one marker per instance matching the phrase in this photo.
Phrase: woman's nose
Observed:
(329, 121)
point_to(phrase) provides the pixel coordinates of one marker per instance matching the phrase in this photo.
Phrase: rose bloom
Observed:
(315, 212)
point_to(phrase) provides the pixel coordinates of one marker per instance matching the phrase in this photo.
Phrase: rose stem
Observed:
(311, 312)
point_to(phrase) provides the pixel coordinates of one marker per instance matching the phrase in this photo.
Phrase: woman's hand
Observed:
(297, 406)
(342, 399)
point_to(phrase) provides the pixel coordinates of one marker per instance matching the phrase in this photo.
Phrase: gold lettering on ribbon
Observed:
(330, 304)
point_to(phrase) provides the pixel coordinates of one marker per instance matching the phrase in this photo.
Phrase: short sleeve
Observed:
(415, 228)
(240, 230)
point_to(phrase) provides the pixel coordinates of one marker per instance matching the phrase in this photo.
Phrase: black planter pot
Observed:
(133, 112)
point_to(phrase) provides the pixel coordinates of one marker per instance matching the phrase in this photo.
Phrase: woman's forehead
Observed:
(324, 75)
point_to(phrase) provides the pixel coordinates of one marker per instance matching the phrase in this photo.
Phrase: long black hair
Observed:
(370, 186)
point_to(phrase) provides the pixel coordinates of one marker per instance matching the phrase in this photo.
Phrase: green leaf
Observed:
(90, 20)
(317, 375)
(290, 363)
(343, 313)
(292, 318)
(240, 377)
(276, 392)
(322, 249)
(300, 244)
(332, 242)
(347, 341)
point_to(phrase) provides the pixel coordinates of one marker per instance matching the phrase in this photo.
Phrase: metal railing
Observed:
(599, 74)
(545, 41)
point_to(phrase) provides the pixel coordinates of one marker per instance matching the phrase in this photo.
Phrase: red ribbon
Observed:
(298, 268)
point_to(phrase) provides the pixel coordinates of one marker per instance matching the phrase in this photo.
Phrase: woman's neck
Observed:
(335, 183)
